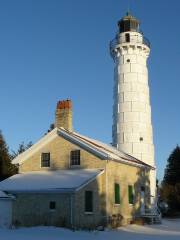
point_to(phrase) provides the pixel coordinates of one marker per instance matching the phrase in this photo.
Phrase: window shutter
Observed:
(117, 193)
(131, 194)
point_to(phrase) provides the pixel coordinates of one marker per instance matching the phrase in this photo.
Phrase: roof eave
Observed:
(82, 144)
(43, 191)
(35, 147)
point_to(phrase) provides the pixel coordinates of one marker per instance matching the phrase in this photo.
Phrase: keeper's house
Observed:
(67, 179)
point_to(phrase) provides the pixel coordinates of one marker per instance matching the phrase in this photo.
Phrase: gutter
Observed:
(107, 195)
(70, 190)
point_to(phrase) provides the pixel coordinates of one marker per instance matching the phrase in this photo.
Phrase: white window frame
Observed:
(41, 160)
(74, 166)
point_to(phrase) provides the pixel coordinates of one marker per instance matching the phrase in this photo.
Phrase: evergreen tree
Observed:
(172, 171)
(170, 190)
(22, 148)
(51, 127)
(6, 167)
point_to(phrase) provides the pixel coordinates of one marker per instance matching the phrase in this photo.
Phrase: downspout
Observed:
(71, 210)
(107, 214)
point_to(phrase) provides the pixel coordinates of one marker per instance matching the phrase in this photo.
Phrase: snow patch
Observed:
(48, 180)
(168, 230)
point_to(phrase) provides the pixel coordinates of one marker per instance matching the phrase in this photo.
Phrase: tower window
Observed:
(127, 36)
(141, 139)
(75, 158)
(128, 60)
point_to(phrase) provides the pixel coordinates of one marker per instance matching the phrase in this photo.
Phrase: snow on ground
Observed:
(168, 230)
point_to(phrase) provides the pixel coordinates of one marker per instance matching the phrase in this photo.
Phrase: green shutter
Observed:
(117, 193)
(88, 201)
(131, 194)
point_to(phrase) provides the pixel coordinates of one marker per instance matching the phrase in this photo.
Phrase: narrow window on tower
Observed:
(127, 36)
(141, 139)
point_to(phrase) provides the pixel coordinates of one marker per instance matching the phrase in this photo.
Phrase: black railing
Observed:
(146, 42)
(116, 41)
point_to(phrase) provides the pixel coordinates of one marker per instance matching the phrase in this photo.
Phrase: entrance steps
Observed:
(152, 216)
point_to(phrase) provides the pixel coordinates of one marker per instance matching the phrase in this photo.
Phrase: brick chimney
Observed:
(64, 114)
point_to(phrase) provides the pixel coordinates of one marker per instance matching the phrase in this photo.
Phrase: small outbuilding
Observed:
(50, 198)
(6, 202)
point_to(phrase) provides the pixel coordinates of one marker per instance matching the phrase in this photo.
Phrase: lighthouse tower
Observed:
(132, 129)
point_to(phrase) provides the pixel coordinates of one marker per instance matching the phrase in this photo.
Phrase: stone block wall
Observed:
(126, 175)
(32, 209)
(60, 149)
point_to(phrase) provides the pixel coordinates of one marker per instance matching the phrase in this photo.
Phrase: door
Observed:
(5, 213)
(142, 200)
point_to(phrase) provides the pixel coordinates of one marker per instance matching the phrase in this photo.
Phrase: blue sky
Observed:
(57, 49)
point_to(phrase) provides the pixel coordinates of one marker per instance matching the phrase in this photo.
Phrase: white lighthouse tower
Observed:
(132, 129)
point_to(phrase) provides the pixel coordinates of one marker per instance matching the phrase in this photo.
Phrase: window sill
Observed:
(88, 213)
(74, 166)
(117, 204)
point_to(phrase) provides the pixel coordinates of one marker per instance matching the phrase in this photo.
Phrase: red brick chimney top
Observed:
(64, 104)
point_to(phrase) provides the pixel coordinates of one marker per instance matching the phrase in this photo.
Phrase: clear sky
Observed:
(57, 49)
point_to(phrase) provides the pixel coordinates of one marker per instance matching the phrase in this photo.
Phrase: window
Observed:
(127, 36)
(131, 194)
(45, 159)
(75, 158)
(88, 201)
(116, 193)
(128, 60)
(52, 205)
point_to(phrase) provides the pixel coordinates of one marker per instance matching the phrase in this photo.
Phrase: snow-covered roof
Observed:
(49, 181)
(105, 151)
(4, 195)
(102, 150)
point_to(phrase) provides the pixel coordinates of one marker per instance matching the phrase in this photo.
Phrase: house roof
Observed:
(111, 152)
(102, 150)
(49, 181)
(4, 195)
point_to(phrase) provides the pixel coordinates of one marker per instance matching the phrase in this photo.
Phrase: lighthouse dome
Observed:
(128, 24)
